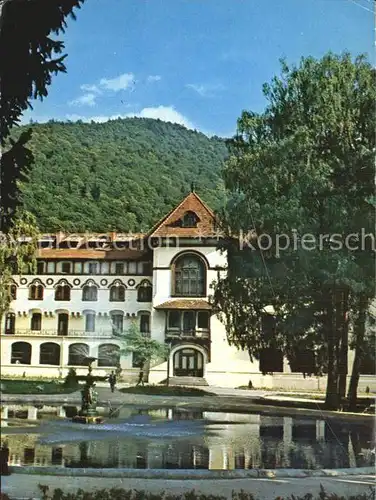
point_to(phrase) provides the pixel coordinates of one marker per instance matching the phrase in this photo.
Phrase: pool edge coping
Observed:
(179, 474)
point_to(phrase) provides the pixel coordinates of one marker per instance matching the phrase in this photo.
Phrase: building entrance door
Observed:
(188, 363)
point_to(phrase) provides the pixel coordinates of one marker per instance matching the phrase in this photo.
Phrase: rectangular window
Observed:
(119, 268)
(132, 268)
(145, 323)
(189, 321)
(90, 322)
(93, 267)
(40, 267)
(174, 320)
(117, 323)
(36, 322)
(147, 269)
(140, 267)
(50, 267)
(105, 268)
(203, 320)
(78, 268)
(66, 267)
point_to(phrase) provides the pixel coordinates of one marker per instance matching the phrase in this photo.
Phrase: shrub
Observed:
(71, 378)
(120, 494)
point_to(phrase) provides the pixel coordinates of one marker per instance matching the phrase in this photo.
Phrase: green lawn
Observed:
(162, 390)
(34, 387)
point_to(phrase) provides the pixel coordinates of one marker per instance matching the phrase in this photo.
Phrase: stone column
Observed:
(320, 430)
(32, 413)
(286, 366)
(287, 440)
(61, 412)
(4, 416)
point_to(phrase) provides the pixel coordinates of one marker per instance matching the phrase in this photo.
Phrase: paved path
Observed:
(21, 486)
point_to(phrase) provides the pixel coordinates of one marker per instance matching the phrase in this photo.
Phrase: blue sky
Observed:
(195, 62)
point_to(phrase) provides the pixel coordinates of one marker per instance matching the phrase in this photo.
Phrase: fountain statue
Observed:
(88, 413)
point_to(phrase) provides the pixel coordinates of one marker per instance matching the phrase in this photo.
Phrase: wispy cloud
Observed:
(84, 100)
(153, 78)
(205, 90)
(121, 82)
(88, 87)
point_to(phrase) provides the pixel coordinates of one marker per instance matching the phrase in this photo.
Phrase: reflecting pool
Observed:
(180, 439)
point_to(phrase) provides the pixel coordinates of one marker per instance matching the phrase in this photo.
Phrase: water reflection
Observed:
(230, 441)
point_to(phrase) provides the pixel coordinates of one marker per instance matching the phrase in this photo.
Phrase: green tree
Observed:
(25, 28)
(304, 166)
(144, 347)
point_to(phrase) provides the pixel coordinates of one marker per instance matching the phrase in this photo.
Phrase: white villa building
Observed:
(89, 286)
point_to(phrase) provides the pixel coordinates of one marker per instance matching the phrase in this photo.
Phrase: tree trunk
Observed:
(331, 398)
(343, 329)
(359, 332)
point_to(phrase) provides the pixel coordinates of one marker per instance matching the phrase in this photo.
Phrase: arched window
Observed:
(36, 291)
(36, 321)
(62, 291)
(21, 353)
(90, 293)
(10, 323)
(117, 293)
(189, 219)
(108, 355)
(190, 273)
(77, 354)
(13, 292)
(144, 292)
(49, 354)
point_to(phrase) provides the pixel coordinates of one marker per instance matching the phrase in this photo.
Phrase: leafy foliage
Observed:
(17, 254)
(303, 167)
(35, 54)
(122, 174)
(121, 494)
(145, 348)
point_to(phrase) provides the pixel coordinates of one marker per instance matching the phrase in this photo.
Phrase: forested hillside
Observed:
(119, 175)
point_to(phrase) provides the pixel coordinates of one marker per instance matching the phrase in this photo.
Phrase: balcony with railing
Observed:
(187, 334)
(26, 332)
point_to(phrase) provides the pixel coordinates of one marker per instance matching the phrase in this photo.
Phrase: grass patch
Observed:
(162, 390)
(35, 387)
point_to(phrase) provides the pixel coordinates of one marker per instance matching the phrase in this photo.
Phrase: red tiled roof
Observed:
(82, 253)
(190, 304)
(193, 203)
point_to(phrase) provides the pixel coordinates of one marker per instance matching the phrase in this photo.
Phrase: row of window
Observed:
(117, 323)
(188, 321)
(189, 280)
(95, 268)
(89, 293)
(50, 354)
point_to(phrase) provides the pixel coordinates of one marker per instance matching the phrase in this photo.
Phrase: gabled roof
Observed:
(167, 226)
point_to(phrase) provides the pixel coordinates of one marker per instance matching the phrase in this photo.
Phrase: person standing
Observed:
(112, 381)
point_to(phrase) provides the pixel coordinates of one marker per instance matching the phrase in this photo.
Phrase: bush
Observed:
(71, 379)
(120, 494)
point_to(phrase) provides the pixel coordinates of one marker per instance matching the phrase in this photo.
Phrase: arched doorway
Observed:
(188, 362)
